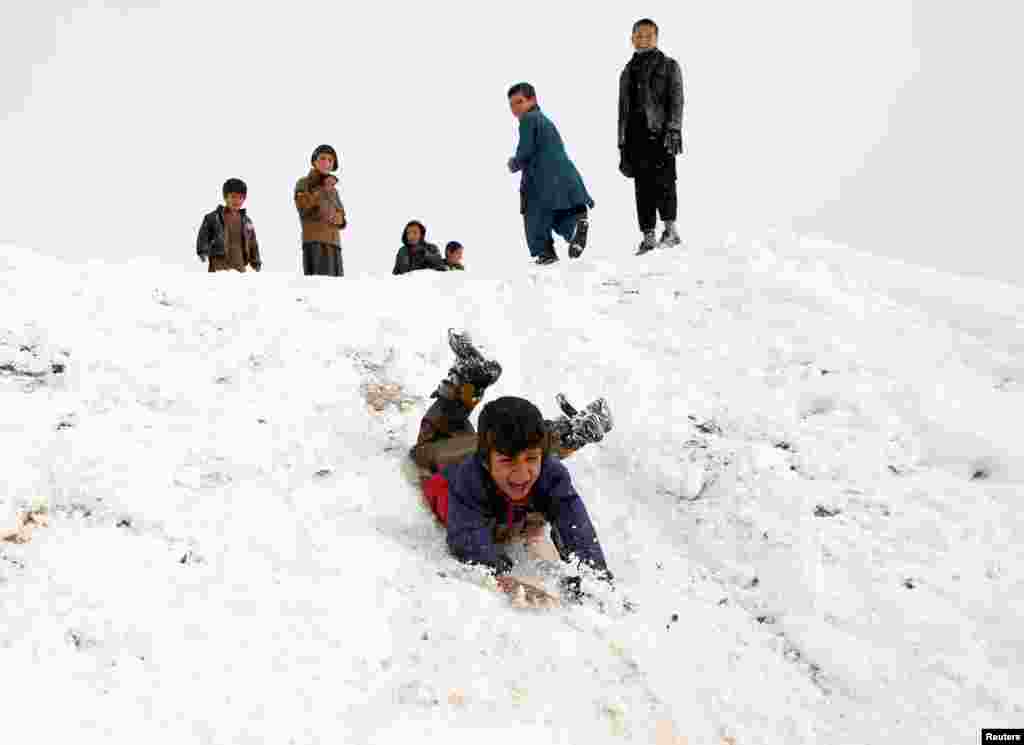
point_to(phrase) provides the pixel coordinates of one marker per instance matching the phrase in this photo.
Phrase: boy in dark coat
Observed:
(415, 252)
(322, 215)
(552, 196)
(506, 482)
(650, 133)
(227, 238)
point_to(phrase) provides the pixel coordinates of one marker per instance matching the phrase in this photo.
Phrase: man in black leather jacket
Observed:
(650, 133)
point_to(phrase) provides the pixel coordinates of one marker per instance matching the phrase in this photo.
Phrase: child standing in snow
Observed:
(322, 215)
(227, 238)
(506, 482)
(552, 196)
(650, 133)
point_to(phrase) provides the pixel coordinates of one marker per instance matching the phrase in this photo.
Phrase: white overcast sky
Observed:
(892, 126)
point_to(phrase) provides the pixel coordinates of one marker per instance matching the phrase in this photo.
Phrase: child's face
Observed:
(516, 475)
(455, 256)
(520, 104)
(234, 201)
(413, 234)
(325, 163)
(645, 37)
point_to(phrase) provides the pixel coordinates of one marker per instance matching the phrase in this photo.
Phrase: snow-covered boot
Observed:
(582, 427)
(471, 374)
(578, 242)
(669, 236)
(459, 393)
(649, 243)
(598, 407)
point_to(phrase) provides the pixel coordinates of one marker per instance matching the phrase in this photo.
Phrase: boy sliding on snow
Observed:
(506, 482)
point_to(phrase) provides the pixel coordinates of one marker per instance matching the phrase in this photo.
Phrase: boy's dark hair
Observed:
(645, 22)
(234, 186)
(321, 149)
(510, 425)
(452, 246)
(522, 89)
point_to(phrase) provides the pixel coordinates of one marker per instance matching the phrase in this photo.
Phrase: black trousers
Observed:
(654, 176)
(654, 195)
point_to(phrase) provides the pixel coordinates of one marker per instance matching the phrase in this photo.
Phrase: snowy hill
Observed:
(811, 497)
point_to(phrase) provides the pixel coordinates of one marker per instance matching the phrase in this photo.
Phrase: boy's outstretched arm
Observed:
(569, 516)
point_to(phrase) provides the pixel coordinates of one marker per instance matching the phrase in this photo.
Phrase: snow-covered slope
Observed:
(235, 555)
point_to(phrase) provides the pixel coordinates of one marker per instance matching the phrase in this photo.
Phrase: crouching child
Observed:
(416, 253)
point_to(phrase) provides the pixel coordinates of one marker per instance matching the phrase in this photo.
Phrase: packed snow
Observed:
(810, 501)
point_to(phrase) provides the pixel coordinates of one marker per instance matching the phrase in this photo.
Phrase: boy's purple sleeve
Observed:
(569, 516)
(470, 531)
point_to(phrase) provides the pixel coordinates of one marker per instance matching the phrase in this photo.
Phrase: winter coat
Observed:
(212, 240)
(658, 83)
(550, 181)
(476, 509)
(320, 210)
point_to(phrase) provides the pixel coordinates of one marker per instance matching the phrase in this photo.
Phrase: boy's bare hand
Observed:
(524, 594)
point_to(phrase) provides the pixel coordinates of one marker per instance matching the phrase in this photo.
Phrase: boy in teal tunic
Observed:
(552, 194)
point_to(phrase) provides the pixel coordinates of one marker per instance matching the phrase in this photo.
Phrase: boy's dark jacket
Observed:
(211, 241)
(475, 507)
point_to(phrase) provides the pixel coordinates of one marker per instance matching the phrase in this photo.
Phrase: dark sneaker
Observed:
(578, 242)
(545, 259)
(647, 244)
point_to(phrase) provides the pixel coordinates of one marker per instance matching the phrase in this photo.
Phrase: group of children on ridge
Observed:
(552, 196)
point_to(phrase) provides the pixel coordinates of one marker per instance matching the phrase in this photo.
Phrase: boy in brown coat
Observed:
(227, 238)
(322, 215)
